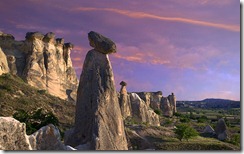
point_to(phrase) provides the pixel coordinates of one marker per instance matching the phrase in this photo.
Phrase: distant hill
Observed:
(211, 103)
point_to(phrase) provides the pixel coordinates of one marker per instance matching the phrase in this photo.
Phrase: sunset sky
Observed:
(189, 47)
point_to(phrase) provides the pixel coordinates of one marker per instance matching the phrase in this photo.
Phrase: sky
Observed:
(188, 47)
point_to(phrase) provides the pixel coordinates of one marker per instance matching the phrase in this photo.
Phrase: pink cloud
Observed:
(134, 14)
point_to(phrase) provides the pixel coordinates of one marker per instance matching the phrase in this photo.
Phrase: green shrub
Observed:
(168, 122)
(184, 131)
(41, 91)
(185, 119)
(177, 114)
(6, 87)
(202, 119)
(235, 139)
(158, 112)
(36, 119)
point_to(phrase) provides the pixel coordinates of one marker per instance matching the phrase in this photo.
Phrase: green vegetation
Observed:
(158, 112)
(35, 120)
(184, 131)
(16, 95)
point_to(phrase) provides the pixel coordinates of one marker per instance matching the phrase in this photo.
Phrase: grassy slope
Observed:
(163, 138)
(15, 94)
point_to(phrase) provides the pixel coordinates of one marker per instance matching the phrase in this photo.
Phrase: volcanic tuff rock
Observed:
(98, 119)
(166, 107)
(141, 112)
(101, 43)
(43, 61)
(152, 99)
(208, 129)
(3, 63)
(221, 129)
(13, 135)
(47, 138)
(172, 101)
(124, 101)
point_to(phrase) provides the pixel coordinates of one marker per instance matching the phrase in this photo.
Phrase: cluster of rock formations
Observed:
(141, 105)
(42, 61)
(220, 131)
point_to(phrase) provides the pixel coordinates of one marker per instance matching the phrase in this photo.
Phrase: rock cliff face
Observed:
(141, 112)
(43, 61)
(98, 120)
(156, 101)
(152, 99)
(3, 63)
(166, 107)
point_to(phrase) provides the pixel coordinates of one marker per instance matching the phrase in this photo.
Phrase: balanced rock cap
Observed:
(123, 83)
(101, 43)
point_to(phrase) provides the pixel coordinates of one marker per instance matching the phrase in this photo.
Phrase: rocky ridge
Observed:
(42, 61)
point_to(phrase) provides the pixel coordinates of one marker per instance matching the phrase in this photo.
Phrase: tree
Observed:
(184, 131)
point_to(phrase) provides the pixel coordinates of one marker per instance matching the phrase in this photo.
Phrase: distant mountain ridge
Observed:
(211, 103)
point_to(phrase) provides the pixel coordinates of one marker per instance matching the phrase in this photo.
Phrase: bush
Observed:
(158, 112)
(235, 139)
(177, 114)
(36, 119)
(202, 119)
(184, 119)
(184, 131)
(41, 91)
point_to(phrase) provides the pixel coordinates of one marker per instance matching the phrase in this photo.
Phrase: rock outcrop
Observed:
(152, 99)
(166, 107)
(172, 101)
(47, 138)
(141, 112)
(43, 61)
(124, 101)
(3, 63)
(98, 120)
(208, 129)
(13, 135)
(221, 130)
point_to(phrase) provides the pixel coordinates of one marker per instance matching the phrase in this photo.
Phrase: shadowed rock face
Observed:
(98, 120)
(43, 61)
(221, 129)
(101, 43)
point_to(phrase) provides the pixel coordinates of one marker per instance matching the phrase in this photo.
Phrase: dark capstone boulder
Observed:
(101, 43)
